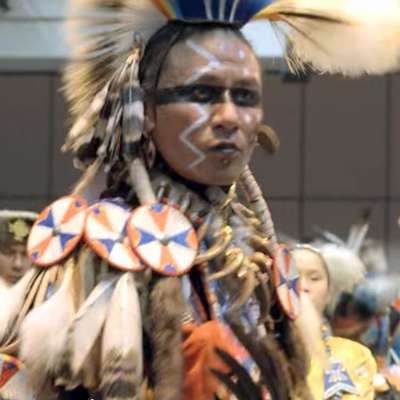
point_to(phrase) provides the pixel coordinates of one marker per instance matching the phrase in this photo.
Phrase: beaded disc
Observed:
(287, 282)
(57, 231)
(105, 232)
(163, 238)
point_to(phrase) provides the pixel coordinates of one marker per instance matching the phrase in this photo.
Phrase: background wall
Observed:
(340, 150)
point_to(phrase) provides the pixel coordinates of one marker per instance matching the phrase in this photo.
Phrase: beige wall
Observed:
(340, 150)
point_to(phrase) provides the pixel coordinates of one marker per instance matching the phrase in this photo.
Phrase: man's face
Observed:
(313, 277)
(13, 263)
(208, 108)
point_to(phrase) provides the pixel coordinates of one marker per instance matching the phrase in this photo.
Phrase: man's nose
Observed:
(225, 117)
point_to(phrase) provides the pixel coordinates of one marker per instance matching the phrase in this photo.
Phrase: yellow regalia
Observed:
(357, 362)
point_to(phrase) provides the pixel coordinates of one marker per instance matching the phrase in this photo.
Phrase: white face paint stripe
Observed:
(207, 6)
(202, 71)
(185, 135)
(233, 10)
(201, 51)
(213, 62)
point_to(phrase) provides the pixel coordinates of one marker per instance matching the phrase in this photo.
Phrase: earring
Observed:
(268, 139)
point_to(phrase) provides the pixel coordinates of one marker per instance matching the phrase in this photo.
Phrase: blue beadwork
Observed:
(233, 11)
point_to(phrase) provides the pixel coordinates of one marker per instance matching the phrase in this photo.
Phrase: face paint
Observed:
(184, 137)
(206, 109)
(207, 94)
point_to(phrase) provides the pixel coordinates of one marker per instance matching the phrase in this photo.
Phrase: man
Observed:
(181, 236)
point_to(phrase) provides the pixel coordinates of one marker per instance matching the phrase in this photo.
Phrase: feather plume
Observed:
(43, 333)
(352, 37)
(122, 359)
(88, 177)
(166, 312)
(345, 268)
(101, 35)
(358, 232)
(11, 301)
(88, 323)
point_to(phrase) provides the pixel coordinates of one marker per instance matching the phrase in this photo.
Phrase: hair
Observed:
(161, 43)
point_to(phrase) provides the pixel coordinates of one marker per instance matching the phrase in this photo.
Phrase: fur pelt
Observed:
(166, 313)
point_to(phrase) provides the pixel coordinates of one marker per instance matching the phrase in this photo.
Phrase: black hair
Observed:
(161, 43)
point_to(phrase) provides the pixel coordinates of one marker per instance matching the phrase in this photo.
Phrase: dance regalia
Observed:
(131, 293)
(348, 372)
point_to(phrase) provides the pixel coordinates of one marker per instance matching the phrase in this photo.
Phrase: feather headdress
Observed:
(352, 37)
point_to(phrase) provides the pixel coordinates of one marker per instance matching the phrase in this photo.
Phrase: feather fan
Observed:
(101, 43)
(122, 358)
(43, 332)
(88, 323)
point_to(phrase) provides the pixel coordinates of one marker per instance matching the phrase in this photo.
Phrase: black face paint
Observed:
(207, 94)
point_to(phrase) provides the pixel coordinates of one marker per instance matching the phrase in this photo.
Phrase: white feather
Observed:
(43, 333)
(365, 38)
(370, 45)
(345, 268)
(357, 235)
(123, 329)
(88, 322)
(11, 301)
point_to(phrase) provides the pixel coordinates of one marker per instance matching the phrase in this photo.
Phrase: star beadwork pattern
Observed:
(337, 382)
(57, 231)
(163, 238)
(287, 282)
(105, 232)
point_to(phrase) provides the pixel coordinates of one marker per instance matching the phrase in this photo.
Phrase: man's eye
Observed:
(203, 94)
(246, 97)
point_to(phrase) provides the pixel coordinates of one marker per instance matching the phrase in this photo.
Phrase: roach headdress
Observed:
(351, 37)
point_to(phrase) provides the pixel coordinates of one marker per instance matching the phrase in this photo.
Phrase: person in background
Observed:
(14, 230)
(340, 368)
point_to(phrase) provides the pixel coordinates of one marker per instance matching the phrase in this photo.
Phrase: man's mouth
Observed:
(225, 148)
